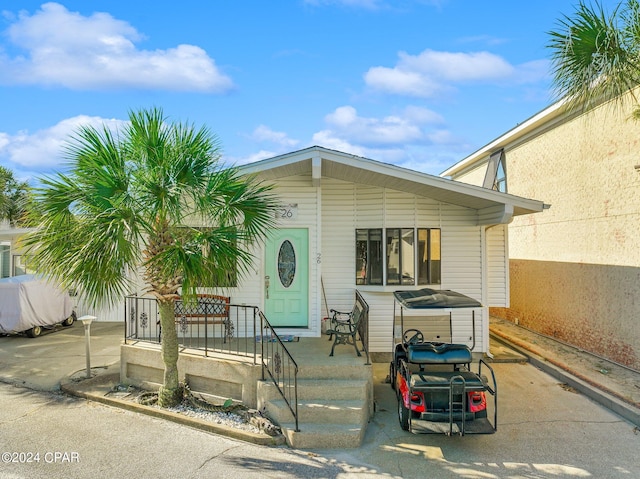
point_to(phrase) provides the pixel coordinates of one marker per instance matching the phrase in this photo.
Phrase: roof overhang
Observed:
(492, 206)
(547, 118)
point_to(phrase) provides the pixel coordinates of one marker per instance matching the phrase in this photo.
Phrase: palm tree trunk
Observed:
(170, 394)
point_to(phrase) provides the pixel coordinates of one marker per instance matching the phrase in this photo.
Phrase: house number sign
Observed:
(287, 212)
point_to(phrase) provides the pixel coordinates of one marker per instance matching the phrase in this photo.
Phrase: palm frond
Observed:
(595, 55)
(87, 234)
(126, 201)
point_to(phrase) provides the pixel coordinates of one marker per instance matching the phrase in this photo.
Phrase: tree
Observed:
(596, 56)
(14, 198)
(151, 197)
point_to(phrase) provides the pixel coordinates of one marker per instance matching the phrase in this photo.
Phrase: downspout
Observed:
(484, 299)
(485, 277)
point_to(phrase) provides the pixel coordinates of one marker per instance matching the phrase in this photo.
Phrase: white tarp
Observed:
(28, 300)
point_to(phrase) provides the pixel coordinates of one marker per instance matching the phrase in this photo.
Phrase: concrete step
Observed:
(335, 403)
(324, 436)
(324, 411)
(307, 371)
(318, 389)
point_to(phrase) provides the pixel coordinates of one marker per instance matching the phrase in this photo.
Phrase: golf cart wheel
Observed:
(70, 320)
(403, 414)
(34, 332)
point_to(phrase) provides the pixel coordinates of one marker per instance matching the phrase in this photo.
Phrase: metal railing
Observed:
(214, 325)
(280, 365)
(210, 325)
(363, 324)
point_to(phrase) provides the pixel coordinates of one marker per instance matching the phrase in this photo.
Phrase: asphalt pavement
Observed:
(549, 421)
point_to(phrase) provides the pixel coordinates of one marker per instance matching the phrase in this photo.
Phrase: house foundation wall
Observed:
(594, 307)
(141, 365)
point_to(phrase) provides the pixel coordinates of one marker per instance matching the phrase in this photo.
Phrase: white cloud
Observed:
(327, 139)
(264, 133)
(457, 66)
(432, 72)
(413, 138)
(252, 158)
(43, 149)
(4, 141)
(405, 127)
(427, 159)
(98, 52)
(398, 81)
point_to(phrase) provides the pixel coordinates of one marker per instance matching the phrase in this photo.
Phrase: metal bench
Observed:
(209, 309)
(345, 327)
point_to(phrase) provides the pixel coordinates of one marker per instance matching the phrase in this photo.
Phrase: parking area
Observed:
(546, 428)
(41, 363)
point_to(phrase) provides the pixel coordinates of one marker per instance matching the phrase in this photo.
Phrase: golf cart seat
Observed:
(438, 353)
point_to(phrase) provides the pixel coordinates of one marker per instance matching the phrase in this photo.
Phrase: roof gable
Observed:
(493, 207)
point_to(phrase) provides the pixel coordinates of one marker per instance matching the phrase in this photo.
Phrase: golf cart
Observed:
(29, 304)
(431, 373)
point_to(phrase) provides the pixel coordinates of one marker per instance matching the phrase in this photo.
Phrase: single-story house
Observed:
(349, 222)
(575, 270)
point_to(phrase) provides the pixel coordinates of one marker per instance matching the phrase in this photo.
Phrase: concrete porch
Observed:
(334, 394)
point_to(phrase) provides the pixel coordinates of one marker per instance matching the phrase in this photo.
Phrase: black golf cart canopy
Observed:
(434, 299)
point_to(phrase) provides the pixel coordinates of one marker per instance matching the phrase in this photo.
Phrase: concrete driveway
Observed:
(545, 428)
(41, 363)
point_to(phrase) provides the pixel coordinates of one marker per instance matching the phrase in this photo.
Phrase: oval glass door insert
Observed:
(286, 263)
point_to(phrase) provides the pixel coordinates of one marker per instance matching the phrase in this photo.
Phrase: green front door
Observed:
(286, 282)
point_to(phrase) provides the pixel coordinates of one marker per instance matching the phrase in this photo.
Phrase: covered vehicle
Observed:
(29, 304)
(436, 388)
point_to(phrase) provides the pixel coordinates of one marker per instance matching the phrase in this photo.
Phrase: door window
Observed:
(286, 263)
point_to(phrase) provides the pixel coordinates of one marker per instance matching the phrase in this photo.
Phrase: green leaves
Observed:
(595, 56)
(14, 198)
(132, 199)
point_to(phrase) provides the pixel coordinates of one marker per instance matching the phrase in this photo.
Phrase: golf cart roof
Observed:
(434, 299)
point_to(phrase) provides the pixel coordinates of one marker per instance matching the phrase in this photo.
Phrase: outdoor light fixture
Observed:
(86, 320)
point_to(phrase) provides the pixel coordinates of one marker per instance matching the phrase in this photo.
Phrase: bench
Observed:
(209, 309)
(345, 327)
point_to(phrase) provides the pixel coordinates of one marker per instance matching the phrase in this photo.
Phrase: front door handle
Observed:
(266, 287)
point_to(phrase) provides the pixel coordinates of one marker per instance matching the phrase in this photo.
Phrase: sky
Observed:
(416, 83)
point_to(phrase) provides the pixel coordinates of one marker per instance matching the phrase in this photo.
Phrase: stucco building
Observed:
(575, 269)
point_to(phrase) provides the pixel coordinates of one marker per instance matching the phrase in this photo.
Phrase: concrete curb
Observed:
(94, 390)
(564, 373)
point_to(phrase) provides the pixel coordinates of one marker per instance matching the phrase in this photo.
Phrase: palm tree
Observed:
(14, 198)
(152, 197)
(596, 56)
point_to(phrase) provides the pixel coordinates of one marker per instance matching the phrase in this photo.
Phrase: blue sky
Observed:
(416, 83)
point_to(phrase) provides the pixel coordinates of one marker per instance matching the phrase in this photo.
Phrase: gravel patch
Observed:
(225, 418)
(218, 417)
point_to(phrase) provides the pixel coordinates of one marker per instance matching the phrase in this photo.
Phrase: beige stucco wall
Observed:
(585, 169)
(575, 268)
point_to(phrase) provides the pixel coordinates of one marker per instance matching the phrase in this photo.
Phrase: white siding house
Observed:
(450, 235)
(328, 196)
